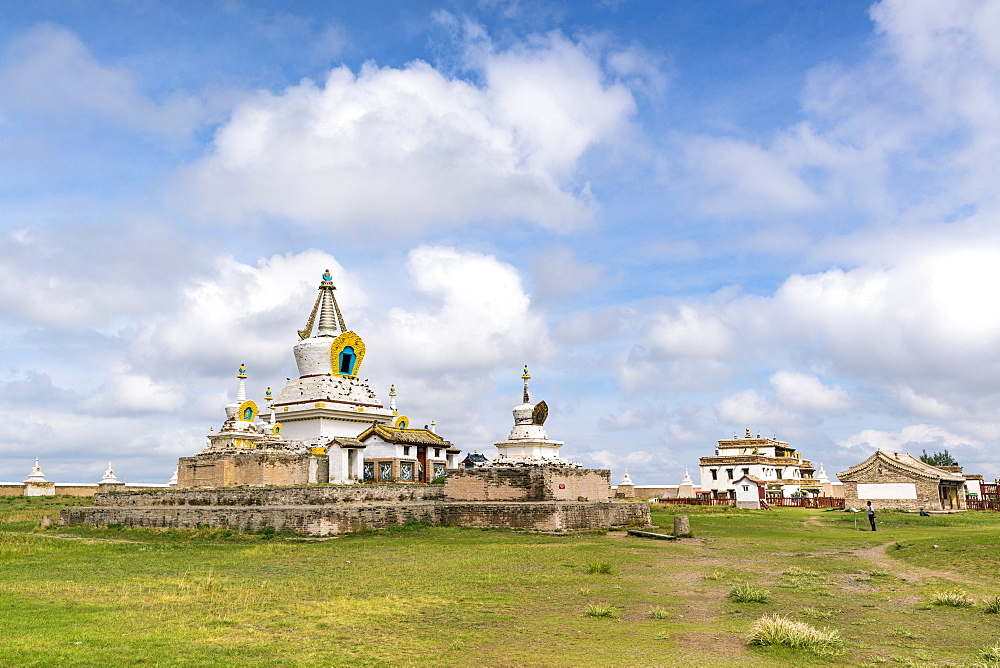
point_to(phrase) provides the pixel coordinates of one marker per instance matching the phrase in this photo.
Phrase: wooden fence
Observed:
(816, 502)
(982, 504)
(697, 502)
(806, 502)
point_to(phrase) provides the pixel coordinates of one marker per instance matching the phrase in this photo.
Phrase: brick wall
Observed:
(227, 469)
(537, 483)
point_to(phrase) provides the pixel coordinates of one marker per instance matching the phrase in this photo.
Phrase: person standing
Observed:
(871, 515)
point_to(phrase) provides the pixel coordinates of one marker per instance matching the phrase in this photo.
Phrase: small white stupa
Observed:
(109, 477)
(528, 444)
(36, 484)
(109, 482)
(686, 488)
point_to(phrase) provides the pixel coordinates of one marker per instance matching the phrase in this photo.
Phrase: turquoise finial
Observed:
(327, 276)
(242, 373)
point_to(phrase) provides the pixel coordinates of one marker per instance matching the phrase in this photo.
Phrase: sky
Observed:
(688, 219)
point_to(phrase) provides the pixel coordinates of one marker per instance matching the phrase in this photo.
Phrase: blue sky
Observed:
(687, 218)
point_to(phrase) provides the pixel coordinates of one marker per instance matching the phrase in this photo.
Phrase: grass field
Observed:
(451, 596)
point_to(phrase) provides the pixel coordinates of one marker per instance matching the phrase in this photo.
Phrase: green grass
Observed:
(602, 610)
(991, 606)
(599, 567)
(748, 593)
(450, 596)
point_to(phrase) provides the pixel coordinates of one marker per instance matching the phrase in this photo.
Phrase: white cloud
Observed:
(50, 72)
(912, 439)
(687, 332)
(558, 272)
(733, 176)
(126, 392)
(475, 314)
(806, 392)
(751, 408)
(241, 313)
(406, 148)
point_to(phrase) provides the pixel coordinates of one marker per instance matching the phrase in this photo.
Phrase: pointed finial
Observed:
(526, 374)
(327, 276)
(392, 390)
(268, 397)
(242, 373)
(526, 398)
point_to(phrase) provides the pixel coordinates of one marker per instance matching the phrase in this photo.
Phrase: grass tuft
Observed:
(780, 631)
(659, 612)
(956, 598)
(814, 613)
(991, 606)
(900, 632)
(991, 653)
(601, 610)
(795, 571)
(602, 567)
(748, 593)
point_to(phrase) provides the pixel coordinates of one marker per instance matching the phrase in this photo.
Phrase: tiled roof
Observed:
(905, 462)
(404, 436)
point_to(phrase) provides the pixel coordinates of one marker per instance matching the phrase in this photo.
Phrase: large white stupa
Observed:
(328, 398)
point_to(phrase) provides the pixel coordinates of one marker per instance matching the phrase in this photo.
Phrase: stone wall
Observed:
(323, 520)
(545, 515)
(314, 520)
(272, 496)
(536, 483)
(230, 469)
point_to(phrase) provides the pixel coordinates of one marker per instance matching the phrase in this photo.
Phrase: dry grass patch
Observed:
(774, 630)
(955, 598)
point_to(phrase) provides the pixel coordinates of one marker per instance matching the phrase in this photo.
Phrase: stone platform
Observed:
(331, 510)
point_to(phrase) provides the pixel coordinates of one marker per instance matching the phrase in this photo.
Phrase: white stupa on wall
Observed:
(528, 444)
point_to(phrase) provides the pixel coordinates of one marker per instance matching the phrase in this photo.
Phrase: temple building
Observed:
(901, 481)
(326, 426)
(773, 462)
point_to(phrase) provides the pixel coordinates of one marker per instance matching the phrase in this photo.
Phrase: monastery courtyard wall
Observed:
(331, 510)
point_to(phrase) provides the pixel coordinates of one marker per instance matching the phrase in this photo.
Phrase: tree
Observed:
(943, 458)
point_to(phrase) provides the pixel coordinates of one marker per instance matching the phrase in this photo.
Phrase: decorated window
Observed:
(347, 357)
(385, 471)
(406, 471)
(369, 470)
(346, 353)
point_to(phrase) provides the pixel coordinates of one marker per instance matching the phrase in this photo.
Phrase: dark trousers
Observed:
(871, 518)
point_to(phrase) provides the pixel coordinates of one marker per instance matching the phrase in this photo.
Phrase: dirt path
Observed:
(901, 569)
(66, 536)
